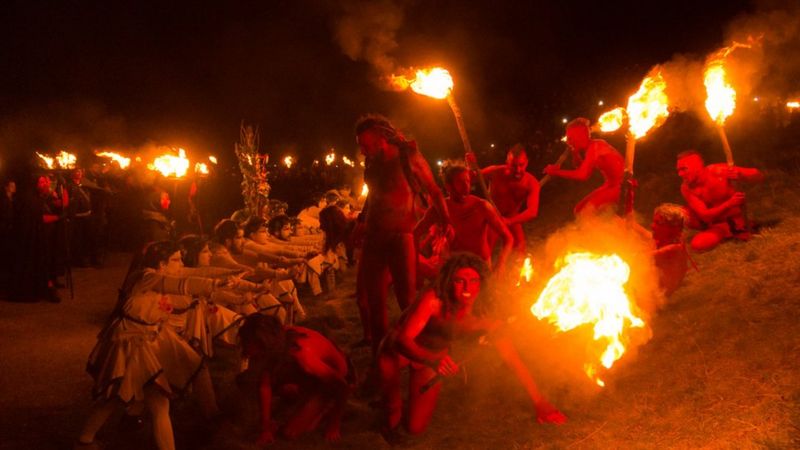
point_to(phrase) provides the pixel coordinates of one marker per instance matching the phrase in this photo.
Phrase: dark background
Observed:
(82, 74)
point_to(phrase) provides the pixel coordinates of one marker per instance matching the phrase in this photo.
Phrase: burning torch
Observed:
(647, 109)
(437, 83)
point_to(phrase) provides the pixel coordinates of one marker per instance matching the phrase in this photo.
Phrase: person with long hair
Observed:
(452, 308)
(299, 363)
(138, 357)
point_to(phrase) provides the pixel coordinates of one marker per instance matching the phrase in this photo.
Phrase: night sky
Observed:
(87, 74)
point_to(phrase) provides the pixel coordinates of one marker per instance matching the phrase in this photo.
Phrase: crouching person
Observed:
(299, 365)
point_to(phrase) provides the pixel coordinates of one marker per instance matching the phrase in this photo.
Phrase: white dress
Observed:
(138, 347)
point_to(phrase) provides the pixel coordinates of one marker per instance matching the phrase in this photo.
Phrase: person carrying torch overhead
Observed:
(511, 186)
(395, 171)
(715, 207)
(587, 155)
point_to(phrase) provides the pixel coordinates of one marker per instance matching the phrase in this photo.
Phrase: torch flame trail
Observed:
(123, 162)
(648, 107)
(66, 160)
(610, 121)
(49, 162)
(171, 165)
(589, 289)
(720, 96)
(435, 82)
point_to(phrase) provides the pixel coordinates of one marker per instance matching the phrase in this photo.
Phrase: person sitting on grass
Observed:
(715, 206)
(452, 309)
(294, 363)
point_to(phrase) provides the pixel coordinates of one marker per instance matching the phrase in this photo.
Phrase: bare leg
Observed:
(390, 366)
(158, 405)
(602, 197)
(421, 406)
(403, 266)
(375, 281)
(97, 417)
(519, 239)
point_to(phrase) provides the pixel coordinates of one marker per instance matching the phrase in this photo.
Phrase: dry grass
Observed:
(722, 369)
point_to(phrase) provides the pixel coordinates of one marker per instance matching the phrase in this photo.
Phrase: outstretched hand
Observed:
(737, 199)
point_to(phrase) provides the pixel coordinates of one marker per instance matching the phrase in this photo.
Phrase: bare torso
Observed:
(471, 223)
(608, 161)
(391, 199)
(713, 189)
(508, 193)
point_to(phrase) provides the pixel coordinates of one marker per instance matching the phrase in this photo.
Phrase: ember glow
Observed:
(364, 190)
(526, 273)
(610, 121)
(171, 165)
(435, 82)
(348, 161)
(720, 96)
(288, 161)
(589, 289)
(330, 158)
(123, 162)
(212, 159)
(793, 104)
(647, 108)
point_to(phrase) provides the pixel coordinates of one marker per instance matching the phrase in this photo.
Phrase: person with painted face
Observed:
(453, 309)
(473, 219)
(511, 186)
(397, 173)
(714, 204)
(587, 155)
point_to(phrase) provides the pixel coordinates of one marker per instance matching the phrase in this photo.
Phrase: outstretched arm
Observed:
(545, 412)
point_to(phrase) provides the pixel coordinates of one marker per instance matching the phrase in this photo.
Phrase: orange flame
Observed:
(66, 160)
(647, 108)
(364, 190)
(589, 289)
(794, 104)
(348, 161)
(123, 162)
(201, 168)
(212, 159)
(49, 163)
(171, 165)
(435, 82)
(526, 272)
(330, 158)
(288, 161)
(611, 120)
(720, 96)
